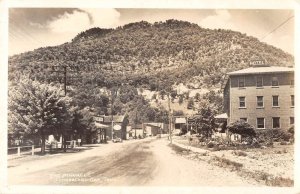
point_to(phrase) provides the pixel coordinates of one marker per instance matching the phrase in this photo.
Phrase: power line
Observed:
(285, 21)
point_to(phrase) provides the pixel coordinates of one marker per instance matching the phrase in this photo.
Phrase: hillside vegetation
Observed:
(151, 56)
(132, 70)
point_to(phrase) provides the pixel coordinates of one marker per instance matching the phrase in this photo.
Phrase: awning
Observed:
(222, 116)
(99, 125)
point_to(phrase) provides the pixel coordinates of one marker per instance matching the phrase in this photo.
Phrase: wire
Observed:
(285, 21)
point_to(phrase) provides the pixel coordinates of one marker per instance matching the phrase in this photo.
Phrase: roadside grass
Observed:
(233, 159)
(223, 162)
(239, 153)
(179, 150)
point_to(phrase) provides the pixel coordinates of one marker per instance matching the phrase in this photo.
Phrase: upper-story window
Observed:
(275, 101)
(292, 100)
(259, 81)
(242, 102)
(241, 82)
(260, 101)
(275, 81)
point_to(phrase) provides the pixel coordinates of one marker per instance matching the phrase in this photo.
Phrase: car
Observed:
(116, 140)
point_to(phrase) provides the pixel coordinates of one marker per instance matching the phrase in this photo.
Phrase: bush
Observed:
(281, 135)
(210, 144)
(243, 128)
(268, 135)
(239, 153)
(264, 137)
(216, 148)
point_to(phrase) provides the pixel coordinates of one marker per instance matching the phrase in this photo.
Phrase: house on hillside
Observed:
(261, 95)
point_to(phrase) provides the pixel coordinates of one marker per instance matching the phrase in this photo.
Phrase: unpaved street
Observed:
(133, 163)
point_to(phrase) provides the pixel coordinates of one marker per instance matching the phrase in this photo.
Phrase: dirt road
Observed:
(138, 163)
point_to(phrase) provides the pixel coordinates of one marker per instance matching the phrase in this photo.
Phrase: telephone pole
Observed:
(170, 119)
(64, 72)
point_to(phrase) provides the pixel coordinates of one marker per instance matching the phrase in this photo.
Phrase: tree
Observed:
(173, 95)
(190, 104)
(205, 121)
(36, 109)
(197, 97)
(87, 120)
(180, 100)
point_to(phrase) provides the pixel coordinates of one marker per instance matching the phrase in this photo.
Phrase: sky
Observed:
(31, 28)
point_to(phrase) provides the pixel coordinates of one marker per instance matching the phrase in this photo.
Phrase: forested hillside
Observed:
(109, 71)
(148, 55)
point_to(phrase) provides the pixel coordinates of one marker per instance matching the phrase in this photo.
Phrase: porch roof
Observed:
(222, 116)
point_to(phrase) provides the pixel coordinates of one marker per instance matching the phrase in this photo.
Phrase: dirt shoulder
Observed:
(271, 166)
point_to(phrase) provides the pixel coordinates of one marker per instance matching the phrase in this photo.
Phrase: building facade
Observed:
(113, 126)
(261, 95)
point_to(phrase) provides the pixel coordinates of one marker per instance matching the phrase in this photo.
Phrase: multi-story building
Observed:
(261, 95)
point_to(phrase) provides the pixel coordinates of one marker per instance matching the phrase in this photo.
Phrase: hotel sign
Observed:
(257, 62)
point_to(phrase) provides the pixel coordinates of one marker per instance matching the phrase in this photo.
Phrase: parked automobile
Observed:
(116, 140)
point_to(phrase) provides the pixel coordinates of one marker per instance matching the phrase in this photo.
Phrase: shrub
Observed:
(281, 135)
(243, 128)
(239, 153)
(267, 136)
(210, 144)
(264, 137)
(283, 143)
(216, 148)
(291, 129)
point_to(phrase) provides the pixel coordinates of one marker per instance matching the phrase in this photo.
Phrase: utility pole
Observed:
(65, 80)
(64, 71)
(170, 119)
(112, 115)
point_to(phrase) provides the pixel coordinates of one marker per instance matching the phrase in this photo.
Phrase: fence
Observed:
(15, 152)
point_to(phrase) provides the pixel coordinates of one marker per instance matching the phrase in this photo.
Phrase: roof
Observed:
(136, 126)
(116, 118)
(154, 124)
(99, 125)
(262, 70)
(222, 116)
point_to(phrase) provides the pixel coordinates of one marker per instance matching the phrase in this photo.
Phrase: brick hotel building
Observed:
(261, 95)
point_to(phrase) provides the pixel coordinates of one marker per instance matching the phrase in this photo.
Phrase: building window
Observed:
(292, 120)
(260, 123)
(275, 81)
(259, 82)
(292, 83)
(292, 100)
(276, 122)
(242, 102)
(275, 101)
(241, 82)
(260, 101)
(244, 119)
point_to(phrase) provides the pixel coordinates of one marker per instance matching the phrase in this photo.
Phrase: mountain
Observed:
(151, 56)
